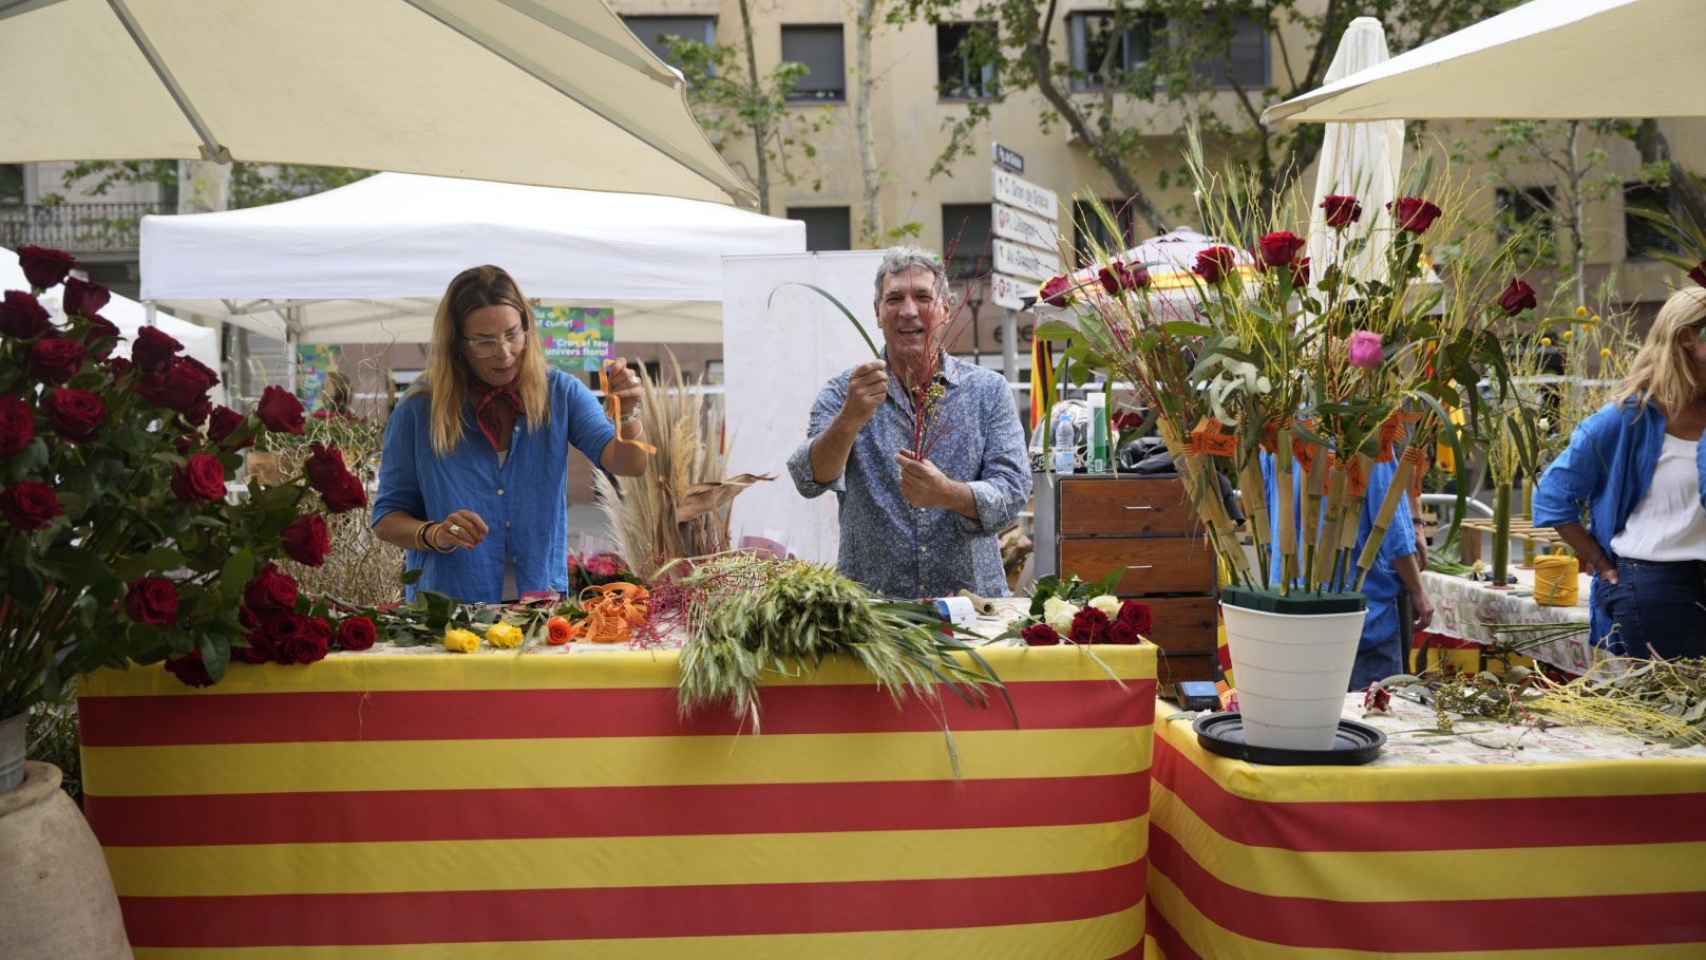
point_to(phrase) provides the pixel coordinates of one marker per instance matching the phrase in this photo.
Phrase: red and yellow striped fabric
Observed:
(416, 806)
(1590, 859)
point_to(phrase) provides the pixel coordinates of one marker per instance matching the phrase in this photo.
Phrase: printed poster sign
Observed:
(313, 362)
(576, 339)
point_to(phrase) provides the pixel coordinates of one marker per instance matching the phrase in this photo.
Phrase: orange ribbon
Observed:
(1211, 438)
(1303, 453)
(1270, 434)
(616, 408)
(1391, 430)
(1356, 482)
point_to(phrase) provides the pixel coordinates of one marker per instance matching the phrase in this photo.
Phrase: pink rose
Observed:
(1365, 349)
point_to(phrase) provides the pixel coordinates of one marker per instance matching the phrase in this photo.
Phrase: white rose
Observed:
(1058, 614)
(1108, 604)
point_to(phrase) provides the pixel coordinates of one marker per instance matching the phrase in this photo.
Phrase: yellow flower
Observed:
(1605, 353)
(461, 641)
(1546, 341)
(503, 635)
(1595, 319)
(1581, 311)
(1568, 334)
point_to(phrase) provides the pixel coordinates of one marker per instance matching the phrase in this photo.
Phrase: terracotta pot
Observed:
(56, 895)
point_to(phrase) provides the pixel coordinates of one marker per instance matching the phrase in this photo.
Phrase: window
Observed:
(1102, 53)
(1641, 237)
(821, 51)
(827, 228)
(652, 30)
(11, 183)
(964, 65)
(1087, 226)
(965, 239)
(1528, 211)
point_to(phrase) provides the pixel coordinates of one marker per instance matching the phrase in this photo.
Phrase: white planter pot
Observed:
(1292, 672)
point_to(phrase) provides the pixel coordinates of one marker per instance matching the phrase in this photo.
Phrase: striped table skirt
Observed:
(437, 806)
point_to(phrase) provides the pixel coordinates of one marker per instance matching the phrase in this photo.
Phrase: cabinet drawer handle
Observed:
(1140, 566)
(1140, 507)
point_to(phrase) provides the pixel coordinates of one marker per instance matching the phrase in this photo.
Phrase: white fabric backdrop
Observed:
(775, 360)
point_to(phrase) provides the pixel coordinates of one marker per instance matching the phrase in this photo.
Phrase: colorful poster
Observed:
(313, 362)
(576, 339)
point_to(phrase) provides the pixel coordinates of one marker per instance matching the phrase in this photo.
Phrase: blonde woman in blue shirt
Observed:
(474, 478)
(1637, 465)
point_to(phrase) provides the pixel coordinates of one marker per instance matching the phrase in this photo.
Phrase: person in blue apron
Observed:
(474, 477)
(1637, 465)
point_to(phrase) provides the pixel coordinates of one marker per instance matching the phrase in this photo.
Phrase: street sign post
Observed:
(1025, 221)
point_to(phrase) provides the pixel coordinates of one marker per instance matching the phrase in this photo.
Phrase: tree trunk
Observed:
(1688, 197)
(870, 215)
(1578, 204)
(760, 126)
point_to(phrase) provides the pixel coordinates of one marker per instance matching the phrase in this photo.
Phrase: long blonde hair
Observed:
(448, 372)
(1662, 371)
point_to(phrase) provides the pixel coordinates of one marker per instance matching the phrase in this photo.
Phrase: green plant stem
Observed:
(1501, 533)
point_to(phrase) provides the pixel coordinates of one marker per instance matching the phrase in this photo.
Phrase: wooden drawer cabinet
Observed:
(1145, 528)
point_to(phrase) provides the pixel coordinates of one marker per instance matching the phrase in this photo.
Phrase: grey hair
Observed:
(899, 260)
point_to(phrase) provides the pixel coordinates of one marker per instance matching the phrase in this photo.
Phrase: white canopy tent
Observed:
(551, 92)
(127, 315)
(1560, 59)
(367, 263)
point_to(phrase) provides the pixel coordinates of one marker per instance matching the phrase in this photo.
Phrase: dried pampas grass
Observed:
(680, 506)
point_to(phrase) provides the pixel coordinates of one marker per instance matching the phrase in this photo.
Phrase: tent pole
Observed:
(150, 314)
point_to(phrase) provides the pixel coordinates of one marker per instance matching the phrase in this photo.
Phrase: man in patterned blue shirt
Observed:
(917, 527)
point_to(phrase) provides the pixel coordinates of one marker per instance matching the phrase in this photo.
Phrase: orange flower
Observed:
(559, 631)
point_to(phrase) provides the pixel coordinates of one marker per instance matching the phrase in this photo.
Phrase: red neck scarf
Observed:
(495, 410)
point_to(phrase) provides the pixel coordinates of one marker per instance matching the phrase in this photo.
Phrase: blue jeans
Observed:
(1661, 606)
(1377, 662)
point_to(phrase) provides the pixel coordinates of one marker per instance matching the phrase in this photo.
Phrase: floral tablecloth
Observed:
(1463, 608)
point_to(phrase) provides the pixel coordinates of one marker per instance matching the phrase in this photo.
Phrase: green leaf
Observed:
(413, 576)
(237, 572)
(160, 559)
(215, 654)
(1185, 328)
(1057, 330)
(877, 354)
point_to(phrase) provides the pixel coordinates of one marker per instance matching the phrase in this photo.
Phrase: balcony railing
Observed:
(76, 227)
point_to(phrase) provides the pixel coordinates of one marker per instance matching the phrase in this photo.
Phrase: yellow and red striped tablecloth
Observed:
(1491, 859)
(434, 806)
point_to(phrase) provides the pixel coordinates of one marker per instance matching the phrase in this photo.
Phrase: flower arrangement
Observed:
(121, 543)
(1072, 611)
(1312, 367)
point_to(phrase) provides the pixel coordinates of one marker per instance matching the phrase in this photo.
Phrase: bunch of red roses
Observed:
(114, 520)
(1090, 625)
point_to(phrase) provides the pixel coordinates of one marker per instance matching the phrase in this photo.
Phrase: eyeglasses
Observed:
(485, 348)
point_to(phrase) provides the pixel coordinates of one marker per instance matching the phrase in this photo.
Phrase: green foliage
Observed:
(252, 184)
(51, 734)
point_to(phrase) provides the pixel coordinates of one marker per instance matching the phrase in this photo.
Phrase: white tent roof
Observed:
(552, 92)
(1561, 59)
(367, 263)
(127, 315)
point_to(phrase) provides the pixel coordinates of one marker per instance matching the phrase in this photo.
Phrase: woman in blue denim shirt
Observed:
(1637, 465)
(473, 482)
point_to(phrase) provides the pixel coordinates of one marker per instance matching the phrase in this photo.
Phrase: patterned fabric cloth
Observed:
(1463, 609)
(495, 410)
(897, 549)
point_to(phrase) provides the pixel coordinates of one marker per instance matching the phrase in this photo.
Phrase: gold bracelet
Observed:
(420, 536)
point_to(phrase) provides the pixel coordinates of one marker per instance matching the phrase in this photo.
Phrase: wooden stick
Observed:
(1328, 539)
(1256, 504)
(1383, 520)
(1314, 480)
(1287, 512)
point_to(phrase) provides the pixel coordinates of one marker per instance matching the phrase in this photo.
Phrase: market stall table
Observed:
(1464, 608)
(425, 804)
(1498, 841)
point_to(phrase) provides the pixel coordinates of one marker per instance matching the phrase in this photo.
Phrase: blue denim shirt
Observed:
(1607, 467)
(1382, 586)
(899, 550)
(524, 502)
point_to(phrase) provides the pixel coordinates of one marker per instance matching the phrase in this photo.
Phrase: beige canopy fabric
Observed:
(1559, 59)
(544, 92)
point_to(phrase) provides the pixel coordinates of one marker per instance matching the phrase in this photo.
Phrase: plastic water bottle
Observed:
(1065, 440)
(1097, 454)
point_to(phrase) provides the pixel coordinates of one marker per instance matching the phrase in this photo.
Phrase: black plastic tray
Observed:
(1223, 733)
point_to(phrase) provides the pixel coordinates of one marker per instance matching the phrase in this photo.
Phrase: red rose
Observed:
(1137, 615)
(1137, 277)
(225, 422)
(1089, 625)
(203, 478)
(1056, 291)
(1214, 263)
(1122, 633)
(23, 316)
(190, 670)
(324, 466)
(44, 266)
(296, 638)
(119, 367)
(271, 589)
(153, 350)
(357, 633)
(280, 411)
(56, 360)
(1413, 214)
(1517, 297)
(1280, 248)
(1300, 272)
(76, 414)
(17, 426)
(197, 414)
(1698, 274)
(152, 600)
(29, 505)
(1342, 211)
(185, 385)
(83, 299)
(259, 649)
(306, 540)
(604, 565)
(1040, 635)
(101, 337)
